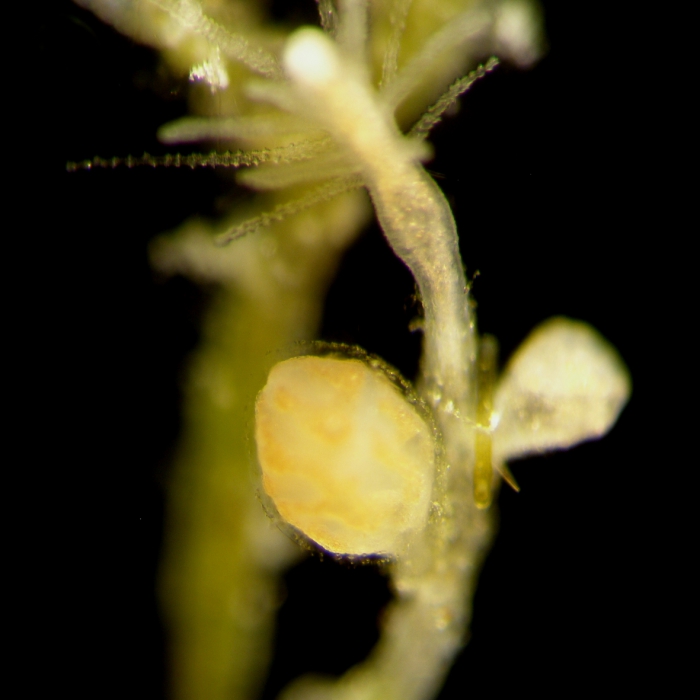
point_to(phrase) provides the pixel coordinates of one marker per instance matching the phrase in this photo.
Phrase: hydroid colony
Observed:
(352, 458)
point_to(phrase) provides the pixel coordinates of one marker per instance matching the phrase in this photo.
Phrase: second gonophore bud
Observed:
(347, 459)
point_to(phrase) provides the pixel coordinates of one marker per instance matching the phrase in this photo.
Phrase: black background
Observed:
(559, 197)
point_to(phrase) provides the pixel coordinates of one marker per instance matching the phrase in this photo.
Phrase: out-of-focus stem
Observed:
(222, 555)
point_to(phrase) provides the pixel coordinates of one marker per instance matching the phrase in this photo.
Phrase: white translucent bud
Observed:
(565, 384)
(311, 58)
(518, 32)
(345, 457)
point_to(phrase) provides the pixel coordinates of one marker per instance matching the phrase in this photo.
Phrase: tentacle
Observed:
(328, 15)
(352, 28)
(398, 15)
(439, 47)
(432, 116)
(189, 13)
(323, 193)
(228, 159)
(192, 129)
(329, 165)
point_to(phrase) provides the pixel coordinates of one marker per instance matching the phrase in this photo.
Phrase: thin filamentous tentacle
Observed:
(352, 28)
(433, 115)
(193, 129)
(397, 17)
(328, 15)
(235, 46)
(171, 160)
(323, 193)
(329, 165)
(228, 159)
(440, 46)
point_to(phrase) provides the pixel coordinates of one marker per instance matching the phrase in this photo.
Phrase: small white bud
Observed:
(518, 32)
(565, 384)
(311, 58)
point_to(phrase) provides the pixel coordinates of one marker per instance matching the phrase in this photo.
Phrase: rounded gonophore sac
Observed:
(565, 384)
(345, 457)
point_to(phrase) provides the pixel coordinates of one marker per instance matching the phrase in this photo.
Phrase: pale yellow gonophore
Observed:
(346, 459)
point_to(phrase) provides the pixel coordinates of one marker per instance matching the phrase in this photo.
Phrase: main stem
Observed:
(435, 580)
